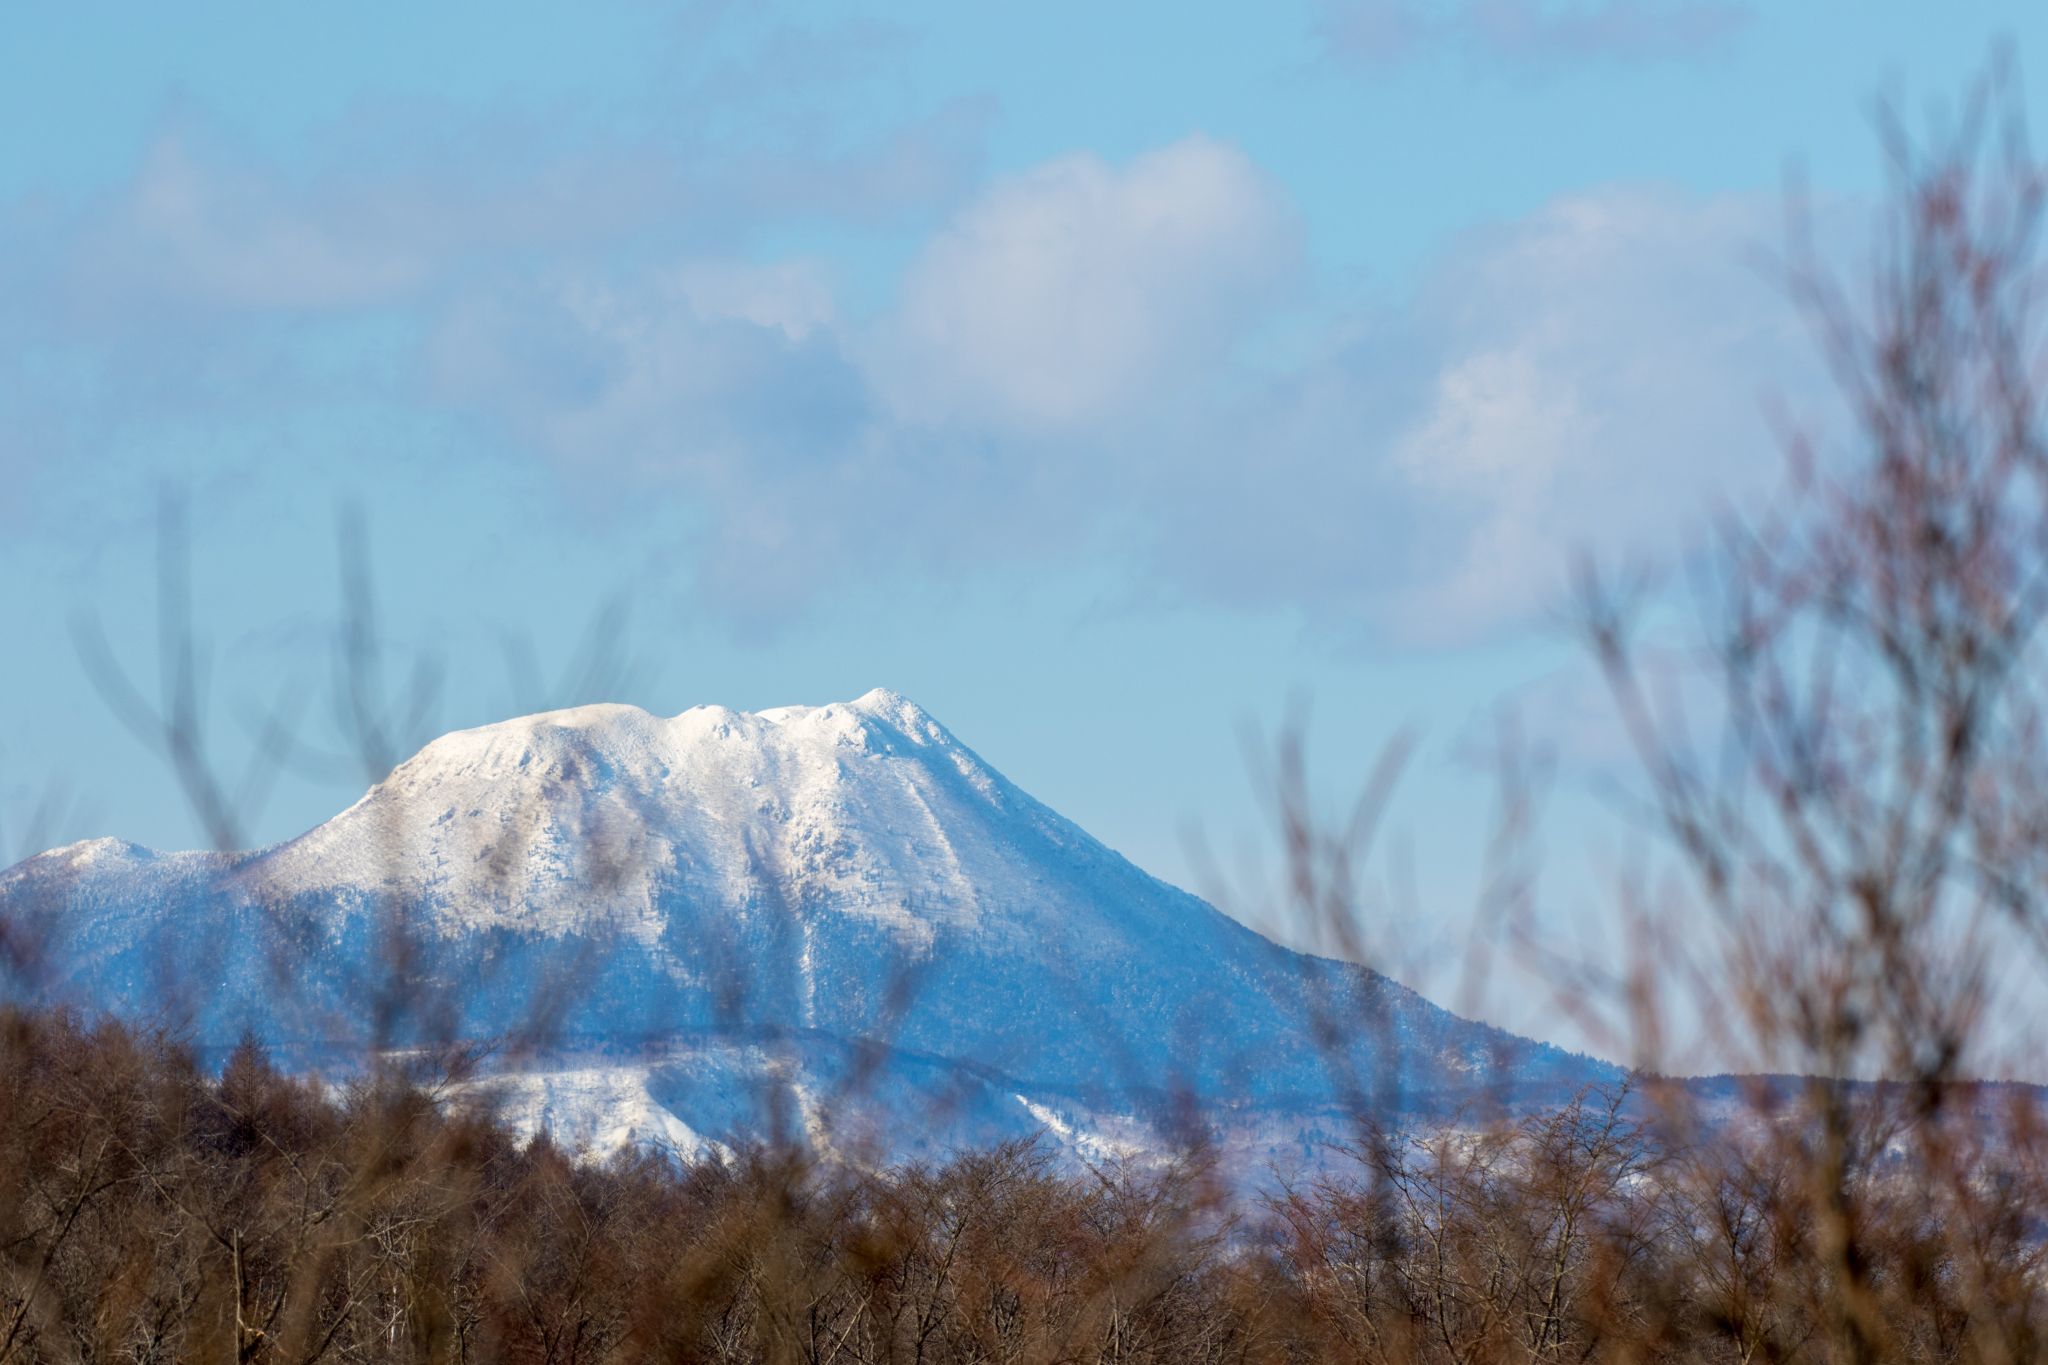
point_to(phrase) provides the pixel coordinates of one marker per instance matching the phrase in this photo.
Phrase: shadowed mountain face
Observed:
(818, 902)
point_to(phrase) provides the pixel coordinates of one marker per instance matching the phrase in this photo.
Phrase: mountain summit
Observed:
(668, 912)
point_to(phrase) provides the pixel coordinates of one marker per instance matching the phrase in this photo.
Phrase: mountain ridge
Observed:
(848, 872)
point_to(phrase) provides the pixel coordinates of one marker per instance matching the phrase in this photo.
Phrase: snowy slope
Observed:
(604, 881)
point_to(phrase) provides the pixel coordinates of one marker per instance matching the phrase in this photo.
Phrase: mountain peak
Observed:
(888, 708)
(843, 872)
(599, 813)
(626, 738)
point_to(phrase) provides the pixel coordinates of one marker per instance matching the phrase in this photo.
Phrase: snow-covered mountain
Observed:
(835, 917)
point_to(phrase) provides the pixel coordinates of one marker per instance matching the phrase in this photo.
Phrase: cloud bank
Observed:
(1072, 363)
(1072, 292)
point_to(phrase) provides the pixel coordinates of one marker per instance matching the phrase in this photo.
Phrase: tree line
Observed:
(153, 1211)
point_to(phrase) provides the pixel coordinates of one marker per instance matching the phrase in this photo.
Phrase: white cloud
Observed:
(1497, 422)
(1060, 369)
(1601, 374)
(1061, 301)
(1497, 435)
(1070, 292)
(793, 297)
(194, 231)
(698, 371)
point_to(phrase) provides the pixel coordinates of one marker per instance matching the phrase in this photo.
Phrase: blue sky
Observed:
(1102, 377)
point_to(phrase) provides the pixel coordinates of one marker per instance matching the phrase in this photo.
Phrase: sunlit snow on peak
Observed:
(838, 873)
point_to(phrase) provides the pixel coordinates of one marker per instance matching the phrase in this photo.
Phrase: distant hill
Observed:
(835, 920)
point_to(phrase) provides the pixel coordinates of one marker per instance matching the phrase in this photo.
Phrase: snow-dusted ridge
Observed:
(511, 825)
(670, 887)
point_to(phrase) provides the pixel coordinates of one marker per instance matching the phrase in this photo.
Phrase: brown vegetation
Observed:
(155, 1213)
